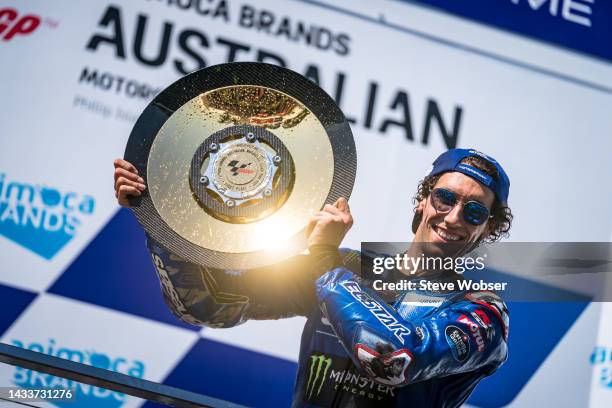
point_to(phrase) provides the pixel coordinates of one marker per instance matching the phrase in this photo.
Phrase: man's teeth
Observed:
(447, 235)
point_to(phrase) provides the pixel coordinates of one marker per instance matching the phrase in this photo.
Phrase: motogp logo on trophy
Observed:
(236, 168)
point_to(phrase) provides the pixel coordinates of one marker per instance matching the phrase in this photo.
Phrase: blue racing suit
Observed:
(360, 348)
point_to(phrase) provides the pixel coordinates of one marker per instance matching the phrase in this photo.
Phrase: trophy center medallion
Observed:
(241, 174)
(242, 168)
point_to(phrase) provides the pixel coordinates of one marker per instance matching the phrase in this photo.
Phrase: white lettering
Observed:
(378, 269)
(436, 286)
(470, 285)
(575, 11)
(52, 221)
(381, 314)
(569, 6)
(10, 212)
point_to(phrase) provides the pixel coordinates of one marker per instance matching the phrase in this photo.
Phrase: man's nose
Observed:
(454, 216)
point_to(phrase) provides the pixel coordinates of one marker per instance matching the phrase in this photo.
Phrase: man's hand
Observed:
(328, 227)
(127, 182)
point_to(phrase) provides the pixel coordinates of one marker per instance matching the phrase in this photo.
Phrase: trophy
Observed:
(237, 157)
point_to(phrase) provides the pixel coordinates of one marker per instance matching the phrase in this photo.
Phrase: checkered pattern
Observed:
(115, 273)
(114, 276)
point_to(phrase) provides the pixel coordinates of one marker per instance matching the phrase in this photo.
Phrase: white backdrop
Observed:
(73, 87)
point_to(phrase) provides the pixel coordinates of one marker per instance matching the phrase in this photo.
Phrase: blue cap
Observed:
(451, 161)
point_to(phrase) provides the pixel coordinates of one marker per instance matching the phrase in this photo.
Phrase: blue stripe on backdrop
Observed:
(234, 374)
(535, 330)
(14, 302)
(536, 327)
(116, 271)
(551, 21)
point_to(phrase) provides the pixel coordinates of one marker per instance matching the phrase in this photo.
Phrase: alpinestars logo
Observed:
(319, 366)
(40, 218)
(381, 314)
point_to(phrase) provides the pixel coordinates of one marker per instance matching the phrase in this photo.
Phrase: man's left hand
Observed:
(329, 226)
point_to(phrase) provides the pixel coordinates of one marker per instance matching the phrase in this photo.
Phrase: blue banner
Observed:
(580, 25)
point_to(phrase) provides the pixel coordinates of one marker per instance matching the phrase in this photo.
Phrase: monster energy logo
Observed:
(317, 364)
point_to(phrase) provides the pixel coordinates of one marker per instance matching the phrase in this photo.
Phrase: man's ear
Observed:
(418, 215)
(421, 206)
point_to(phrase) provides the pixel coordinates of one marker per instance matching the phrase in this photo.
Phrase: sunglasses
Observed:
(444, 201)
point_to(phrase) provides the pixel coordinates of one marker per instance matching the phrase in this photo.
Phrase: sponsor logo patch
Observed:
(319, 366)
(377, 310)
(331, 379)
(458, 341)
(474, 331)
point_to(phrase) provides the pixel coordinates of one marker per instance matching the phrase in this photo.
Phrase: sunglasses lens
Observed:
(444, 200)
(475, 213)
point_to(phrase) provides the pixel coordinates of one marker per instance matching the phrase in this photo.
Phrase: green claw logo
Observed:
(317, 364)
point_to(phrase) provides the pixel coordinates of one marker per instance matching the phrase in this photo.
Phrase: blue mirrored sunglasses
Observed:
(444, 201)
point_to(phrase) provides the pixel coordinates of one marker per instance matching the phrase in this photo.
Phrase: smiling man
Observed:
(432, 347)
(363, 348)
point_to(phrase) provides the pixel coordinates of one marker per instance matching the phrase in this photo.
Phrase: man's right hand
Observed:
(127, 182)
(329, 226)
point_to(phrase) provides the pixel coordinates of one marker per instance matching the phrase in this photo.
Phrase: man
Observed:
(361, 348)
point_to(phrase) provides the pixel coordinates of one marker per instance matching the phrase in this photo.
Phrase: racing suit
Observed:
(359, 348)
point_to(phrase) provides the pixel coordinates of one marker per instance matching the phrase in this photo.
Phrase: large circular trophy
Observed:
(236, 158)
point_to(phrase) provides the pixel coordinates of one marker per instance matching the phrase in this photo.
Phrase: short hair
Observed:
(499, 225)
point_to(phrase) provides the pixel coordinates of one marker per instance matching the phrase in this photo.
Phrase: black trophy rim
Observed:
(231, 74)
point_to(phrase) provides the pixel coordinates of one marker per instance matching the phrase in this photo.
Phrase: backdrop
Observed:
(528, 82)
